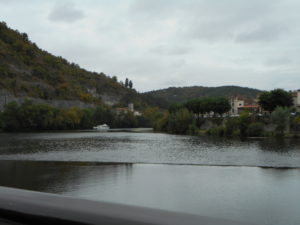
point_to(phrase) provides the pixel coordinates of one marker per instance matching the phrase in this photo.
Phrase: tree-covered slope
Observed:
(28, 71)
(181, 94)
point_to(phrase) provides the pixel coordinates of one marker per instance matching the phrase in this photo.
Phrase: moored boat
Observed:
(103, 127)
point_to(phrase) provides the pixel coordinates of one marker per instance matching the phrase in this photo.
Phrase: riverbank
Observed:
(245, 125)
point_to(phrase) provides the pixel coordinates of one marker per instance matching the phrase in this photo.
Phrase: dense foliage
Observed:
(280, 117)
(36, 117)
(270, 100)
(202, 106)
(186, 117)
(182, 94)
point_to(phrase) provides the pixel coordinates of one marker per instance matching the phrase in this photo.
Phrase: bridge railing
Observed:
(29, 207)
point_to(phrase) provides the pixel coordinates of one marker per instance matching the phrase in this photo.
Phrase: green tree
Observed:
(87, 121)
(68, 118)
(255, 129)
(162, 123)
(180, 121)
(217, 105)
(102, 115)
(175, 107)
(280, 117)
(276, 98)
(231, 126)
(126, 82)
(244, 122)
(296, 123)
(35, 116)
(1, 121)
(153, 114)
(11, 117)
(130, 85)
(115, 79)
(44, 116)
(125, 120)
(220, 105)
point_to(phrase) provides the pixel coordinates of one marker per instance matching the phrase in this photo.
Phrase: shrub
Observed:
(192, 129)
(280, 117)
(231, 126)
(216, 131)
(256, 130)
(179, 122)
(244, 121)
(1, 121)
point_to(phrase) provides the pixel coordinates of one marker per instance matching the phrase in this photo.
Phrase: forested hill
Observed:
(181, 94)
(28, 71)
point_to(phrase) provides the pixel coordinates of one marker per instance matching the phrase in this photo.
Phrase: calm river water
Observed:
(256, 181)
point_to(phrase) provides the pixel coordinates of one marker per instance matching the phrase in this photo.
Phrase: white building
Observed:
(296, 98)
(239, 105)
(236, 103)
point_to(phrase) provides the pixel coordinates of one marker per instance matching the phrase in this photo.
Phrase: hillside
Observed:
(28, 71)
(181, 94)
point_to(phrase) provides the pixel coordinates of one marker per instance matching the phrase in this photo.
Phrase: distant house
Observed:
(296, 98)
(240, 104)
(249, 108)
(120, 110)
(235, 103)
(130, 108)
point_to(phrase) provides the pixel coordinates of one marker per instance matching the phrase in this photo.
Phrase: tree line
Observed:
(187, 117)
(36, 117)
(190, 116)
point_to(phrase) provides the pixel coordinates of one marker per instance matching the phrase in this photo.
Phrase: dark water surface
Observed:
(72, 164)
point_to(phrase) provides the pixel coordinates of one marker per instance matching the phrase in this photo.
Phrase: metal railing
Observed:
(29, 207)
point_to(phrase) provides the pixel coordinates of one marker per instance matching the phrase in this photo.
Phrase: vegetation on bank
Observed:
(37, 117)
(209, 116)
(187, 117)
(270, 100)
(279, 124)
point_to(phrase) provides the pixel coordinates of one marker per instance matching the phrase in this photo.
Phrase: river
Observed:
(256, 180)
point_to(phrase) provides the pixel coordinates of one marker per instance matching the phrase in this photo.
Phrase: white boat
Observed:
(103, 127)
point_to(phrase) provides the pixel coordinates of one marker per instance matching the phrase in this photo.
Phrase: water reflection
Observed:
(278, 145)
(57, 177)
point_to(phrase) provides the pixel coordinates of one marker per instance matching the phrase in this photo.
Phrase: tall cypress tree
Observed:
(130, 84)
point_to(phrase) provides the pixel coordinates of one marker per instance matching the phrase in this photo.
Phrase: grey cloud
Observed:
(267, 33)
(66, 12)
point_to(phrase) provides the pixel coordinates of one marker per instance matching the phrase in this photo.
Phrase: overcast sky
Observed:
(162, 43)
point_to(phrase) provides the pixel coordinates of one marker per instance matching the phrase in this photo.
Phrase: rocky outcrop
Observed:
(110, 99)
(6, 97)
